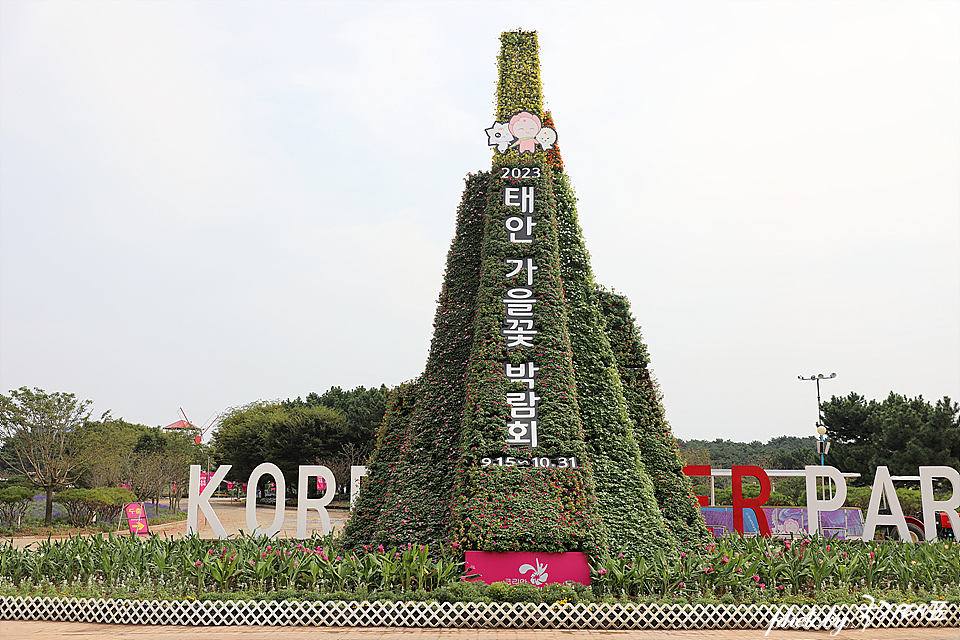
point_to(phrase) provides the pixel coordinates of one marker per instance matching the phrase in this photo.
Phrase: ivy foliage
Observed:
(413, 468)
(497, 509)
(361, 528)
(660, 452)
(518, 85)
(624, 490)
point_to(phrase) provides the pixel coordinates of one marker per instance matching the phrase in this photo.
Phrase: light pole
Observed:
(822, 445)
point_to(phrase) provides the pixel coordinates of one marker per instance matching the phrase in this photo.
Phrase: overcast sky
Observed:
(203, 204)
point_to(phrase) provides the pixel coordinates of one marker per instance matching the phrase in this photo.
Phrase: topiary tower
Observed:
(661, 454)
(518, 435)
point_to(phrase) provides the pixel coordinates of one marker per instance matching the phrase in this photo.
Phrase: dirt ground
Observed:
(233, 517)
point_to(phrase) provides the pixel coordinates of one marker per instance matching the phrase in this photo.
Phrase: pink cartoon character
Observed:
(525, 126)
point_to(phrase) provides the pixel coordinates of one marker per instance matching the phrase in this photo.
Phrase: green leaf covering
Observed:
(660, 452)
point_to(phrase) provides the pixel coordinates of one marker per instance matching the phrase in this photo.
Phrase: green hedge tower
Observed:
(517, 436)
(661, 454)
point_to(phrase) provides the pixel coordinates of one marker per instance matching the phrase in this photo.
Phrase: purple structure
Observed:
(786, 522)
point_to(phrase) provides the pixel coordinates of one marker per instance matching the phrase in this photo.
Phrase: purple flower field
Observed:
(36, 510)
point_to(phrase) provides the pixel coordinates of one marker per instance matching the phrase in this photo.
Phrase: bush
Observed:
(14, 502)
(83, 505)
(558, 592)
(522, 592)
(463, 591)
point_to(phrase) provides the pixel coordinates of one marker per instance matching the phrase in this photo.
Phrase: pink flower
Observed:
(197, 563)
(756, 578)
(602, 572)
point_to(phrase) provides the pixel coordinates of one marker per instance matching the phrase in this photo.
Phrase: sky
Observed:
(205, 204)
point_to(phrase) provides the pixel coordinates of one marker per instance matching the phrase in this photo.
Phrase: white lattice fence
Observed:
(473, 615)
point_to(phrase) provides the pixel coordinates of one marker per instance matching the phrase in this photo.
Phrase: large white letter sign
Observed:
(320, 504)
(815, 505)
(931, 506)
(266, 468)
(202, 500)
(356, 472)
(883, 484)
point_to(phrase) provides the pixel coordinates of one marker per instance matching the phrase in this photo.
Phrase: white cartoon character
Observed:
(539, 575)
(547, 137)
(500, 136)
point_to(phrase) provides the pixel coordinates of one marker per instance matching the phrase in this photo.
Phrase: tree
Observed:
(106, 447)
(303, 436)
(161, 461)
(41, 429)
(363, 411)
(900, 433)
(240, 438)
(287, 435)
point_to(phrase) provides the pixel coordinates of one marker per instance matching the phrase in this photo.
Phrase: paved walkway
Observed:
(17, 630)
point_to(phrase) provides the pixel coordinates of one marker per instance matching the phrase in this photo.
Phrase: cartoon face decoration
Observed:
(524, 130)
(525, 126)
(499, 136)
(546, 138)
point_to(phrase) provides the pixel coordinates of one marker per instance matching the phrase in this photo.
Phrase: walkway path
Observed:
(17, 630)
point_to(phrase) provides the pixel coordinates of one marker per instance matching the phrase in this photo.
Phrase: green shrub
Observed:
(463, 591)
(522, 592)
(82, 505)
(557, 592)
(14, 501)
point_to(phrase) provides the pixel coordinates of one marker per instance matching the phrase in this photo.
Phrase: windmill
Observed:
(184, 424)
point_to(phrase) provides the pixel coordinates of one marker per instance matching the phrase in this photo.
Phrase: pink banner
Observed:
(136, 518)
(321, 484)
(230, 485)
(523, 566)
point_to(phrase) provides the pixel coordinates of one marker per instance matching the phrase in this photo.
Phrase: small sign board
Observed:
(136, 515)
(538, 569)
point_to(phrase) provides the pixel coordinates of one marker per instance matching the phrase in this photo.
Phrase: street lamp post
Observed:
(821, 429)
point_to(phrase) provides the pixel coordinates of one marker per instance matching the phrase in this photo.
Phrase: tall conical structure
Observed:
(517, 436)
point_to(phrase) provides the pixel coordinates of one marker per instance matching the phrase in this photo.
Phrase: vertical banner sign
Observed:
(519, 325)
(136, 518)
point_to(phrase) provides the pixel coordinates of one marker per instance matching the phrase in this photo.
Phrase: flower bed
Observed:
(734, 582)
